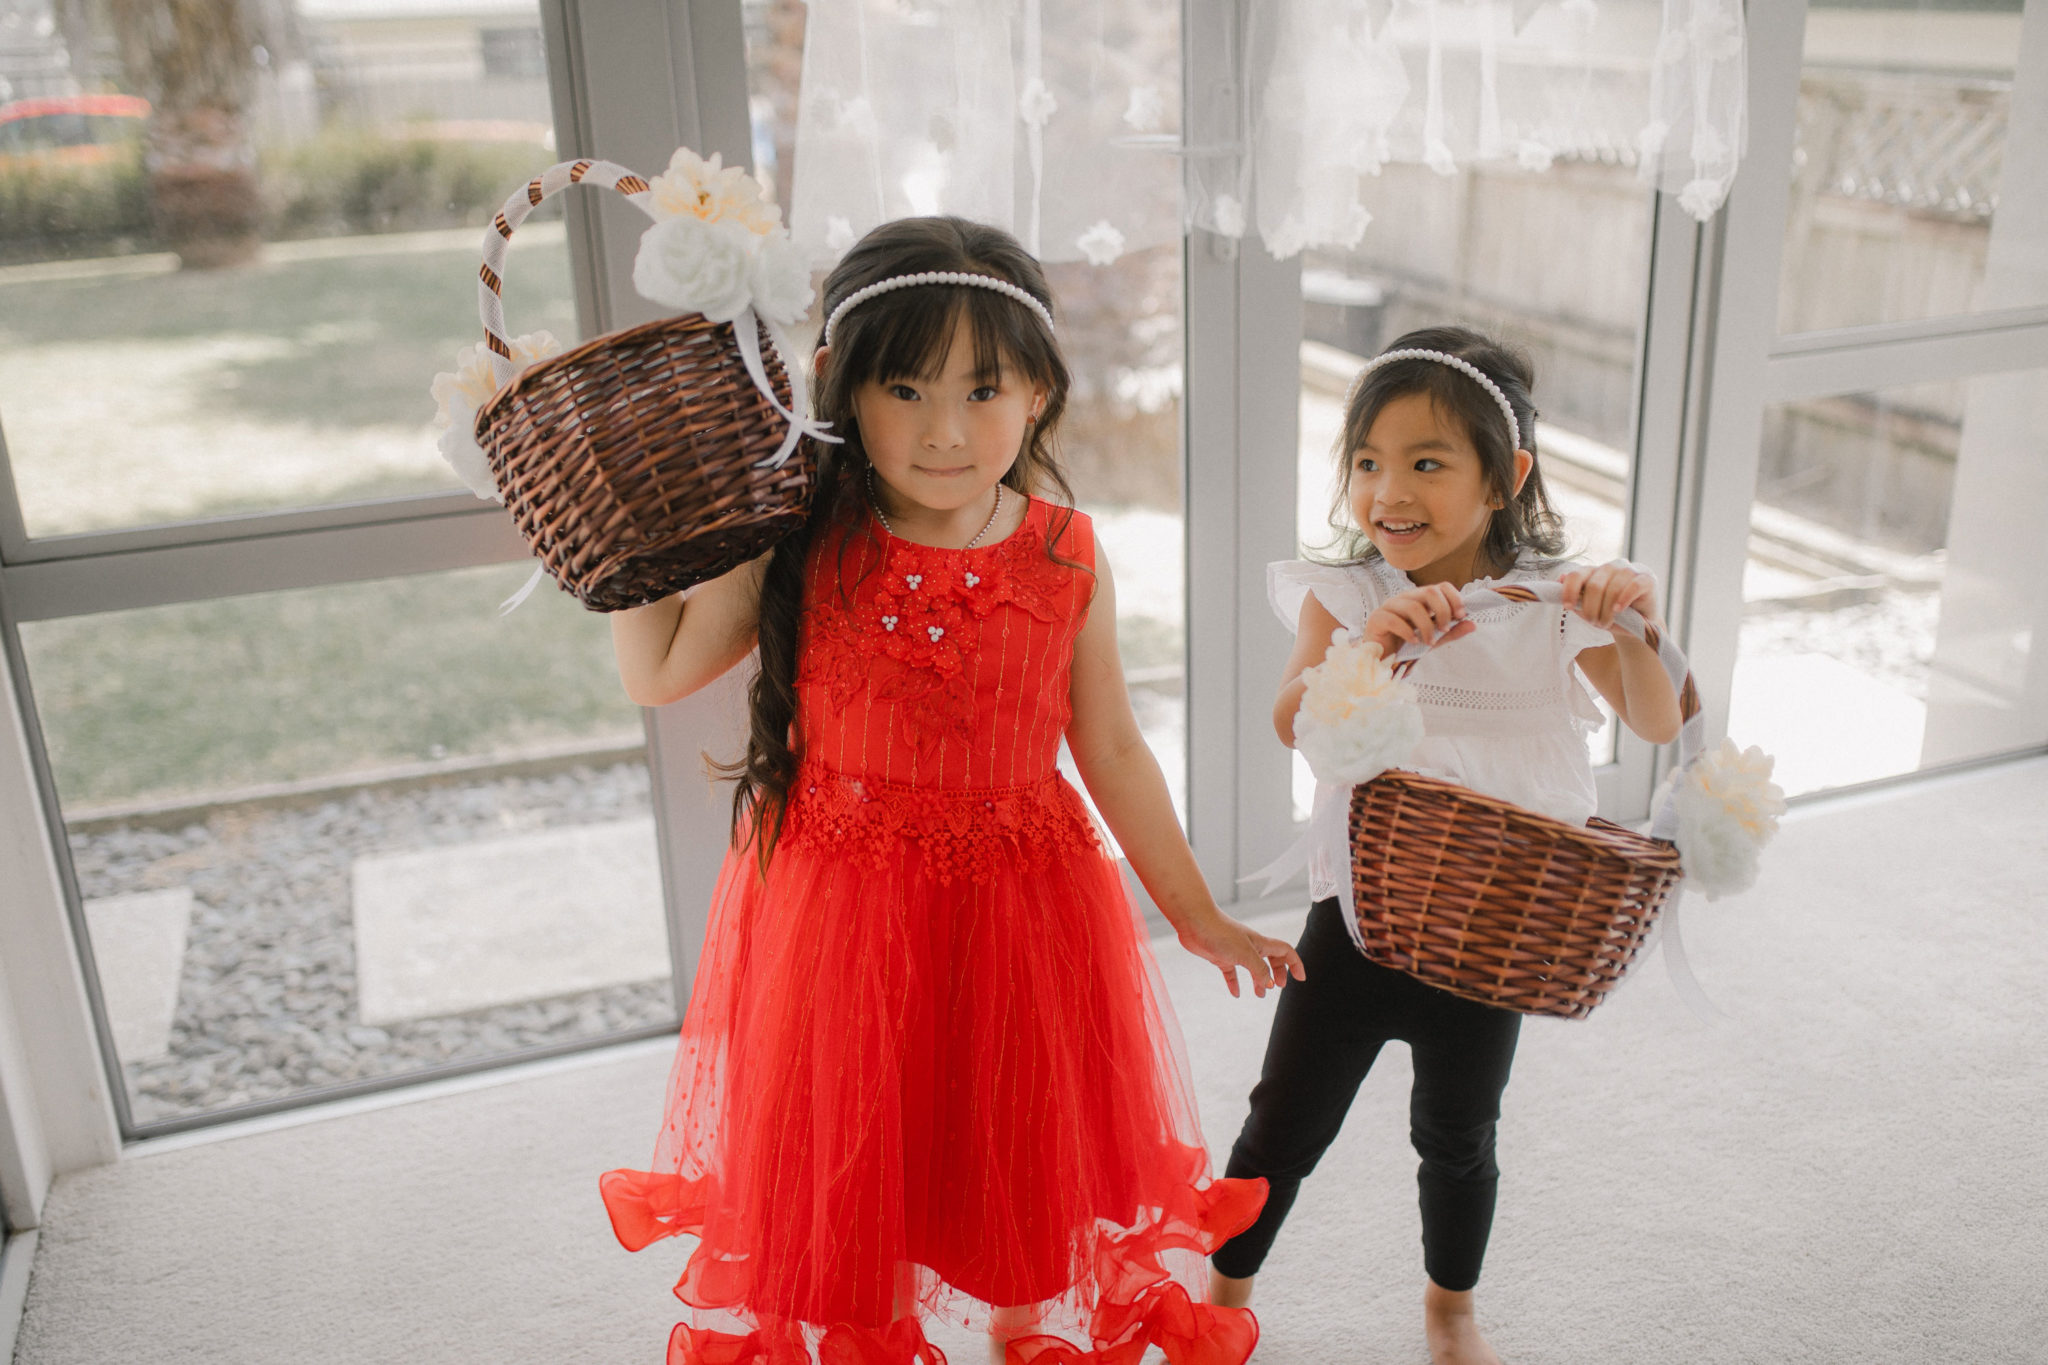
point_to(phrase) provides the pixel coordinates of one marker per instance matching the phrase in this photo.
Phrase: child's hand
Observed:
(1216, 938)
(1598, 594)
(1432, 614)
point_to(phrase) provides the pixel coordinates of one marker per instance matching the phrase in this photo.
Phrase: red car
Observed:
(74, 129)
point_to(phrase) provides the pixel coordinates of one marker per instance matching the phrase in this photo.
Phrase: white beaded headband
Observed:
(1001, 286)
(1507, 409)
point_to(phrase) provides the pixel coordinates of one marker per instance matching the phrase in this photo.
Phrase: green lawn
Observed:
(131, 399)
(209, 696)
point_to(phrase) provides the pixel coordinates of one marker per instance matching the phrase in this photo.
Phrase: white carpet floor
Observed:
(1850, 1168)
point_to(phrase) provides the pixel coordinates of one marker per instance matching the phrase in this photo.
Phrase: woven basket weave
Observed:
(639, 463)
(1489, 901)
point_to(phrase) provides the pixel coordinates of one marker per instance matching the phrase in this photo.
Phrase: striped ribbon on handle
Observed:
(1693, 727)
(498, 237)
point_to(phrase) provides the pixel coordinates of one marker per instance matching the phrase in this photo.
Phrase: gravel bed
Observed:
(1889, 637)
(267, 1003)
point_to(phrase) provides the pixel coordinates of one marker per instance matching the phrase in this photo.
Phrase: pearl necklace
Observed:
(876, 503)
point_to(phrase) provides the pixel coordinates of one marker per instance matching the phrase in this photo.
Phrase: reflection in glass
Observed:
(1892, 591)
(1120, 328)
(349, 832)
(1909, 193)
(206, 313)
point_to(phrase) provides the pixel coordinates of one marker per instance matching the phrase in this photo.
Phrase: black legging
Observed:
(1326, 1033)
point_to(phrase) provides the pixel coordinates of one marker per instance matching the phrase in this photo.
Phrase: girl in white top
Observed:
(1441, 484)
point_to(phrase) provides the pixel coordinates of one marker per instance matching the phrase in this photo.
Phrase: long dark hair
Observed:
(1524, 520)
(899, 334)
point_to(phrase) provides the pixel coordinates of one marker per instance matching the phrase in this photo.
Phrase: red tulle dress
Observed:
(927, 1066)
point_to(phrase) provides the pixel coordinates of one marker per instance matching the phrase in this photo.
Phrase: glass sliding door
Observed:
(1888, 623)
(328, 819)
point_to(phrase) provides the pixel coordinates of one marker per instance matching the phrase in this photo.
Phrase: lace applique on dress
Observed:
(963, 835)
(915, 621)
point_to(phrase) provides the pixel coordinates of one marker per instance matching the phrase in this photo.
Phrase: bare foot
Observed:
(1005, 1324)
(1452, 1331)
(1226, 1292)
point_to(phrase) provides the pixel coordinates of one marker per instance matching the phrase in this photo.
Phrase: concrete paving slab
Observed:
(138, 944)
(464, 927)
(1826, 723)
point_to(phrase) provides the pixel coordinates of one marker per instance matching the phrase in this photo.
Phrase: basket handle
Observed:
(498, 237)
(1693, 721)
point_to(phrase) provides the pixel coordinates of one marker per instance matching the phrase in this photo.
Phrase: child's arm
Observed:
(669, 649)
(1627, 672)
(1124, 778)
(1432, 612)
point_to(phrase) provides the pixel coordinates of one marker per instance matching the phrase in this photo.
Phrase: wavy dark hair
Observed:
(900, 334)
(1524, 520)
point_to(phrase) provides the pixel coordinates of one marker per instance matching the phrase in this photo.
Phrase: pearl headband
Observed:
(1001, 286)
(1507, 409)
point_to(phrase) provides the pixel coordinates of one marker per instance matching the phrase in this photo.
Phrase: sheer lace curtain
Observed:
(1060, 119)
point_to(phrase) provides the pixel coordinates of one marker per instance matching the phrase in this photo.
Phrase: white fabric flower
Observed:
(780, 280)
(1287, 239)
(1728, 809)
(697, 265)
(1702, 197)
(1147, 108)
(1101, 243)
(1036, 104)
(1357, 719)
(459, 394)
(715, 193)
(1229, 215)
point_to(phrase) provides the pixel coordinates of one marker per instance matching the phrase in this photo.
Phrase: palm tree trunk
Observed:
(191, 59)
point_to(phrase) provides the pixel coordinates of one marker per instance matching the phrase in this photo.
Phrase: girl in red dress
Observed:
(927, 1065)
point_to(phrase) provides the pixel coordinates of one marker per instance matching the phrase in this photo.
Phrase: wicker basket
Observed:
(644, 461)
(1498, 904)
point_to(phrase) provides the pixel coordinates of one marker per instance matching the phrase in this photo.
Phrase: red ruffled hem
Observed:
(1137, 1303)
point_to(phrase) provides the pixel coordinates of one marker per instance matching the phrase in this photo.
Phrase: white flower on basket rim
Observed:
(1728, 809)
(697, 265)
(779, 278)
(1357, 719)
(460, 393)
(697, 188)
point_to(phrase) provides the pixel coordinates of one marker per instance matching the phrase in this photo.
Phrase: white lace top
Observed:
(1504, 710)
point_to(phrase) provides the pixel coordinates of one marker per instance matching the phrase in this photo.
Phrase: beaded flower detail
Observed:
(915, 621)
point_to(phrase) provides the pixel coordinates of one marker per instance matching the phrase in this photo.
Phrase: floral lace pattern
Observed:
(908, 631)
(962, 834)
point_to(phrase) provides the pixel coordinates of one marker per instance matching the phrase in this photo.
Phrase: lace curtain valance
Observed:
(1061, 119)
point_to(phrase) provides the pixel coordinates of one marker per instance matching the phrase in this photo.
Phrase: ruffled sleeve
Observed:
(1574, 635)
(1344, 591)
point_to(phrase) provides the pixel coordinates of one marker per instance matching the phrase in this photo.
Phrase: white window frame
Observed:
(1751, 366)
